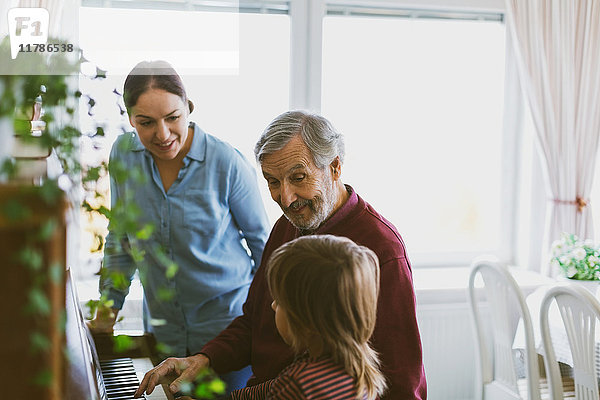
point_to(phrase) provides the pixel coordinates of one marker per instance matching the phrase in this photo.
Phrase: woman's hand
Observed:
(185, 368)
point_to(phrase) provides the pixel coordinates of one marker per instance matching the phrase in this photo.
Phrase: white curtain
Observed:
(557, 45)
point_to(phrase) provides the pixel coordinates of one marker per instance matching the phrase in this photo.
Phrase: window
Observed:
(418, 94)
(233, 101)
(420, 102)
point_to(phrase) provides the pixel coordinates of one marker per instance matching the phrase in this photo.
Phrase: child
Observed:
(325, 298)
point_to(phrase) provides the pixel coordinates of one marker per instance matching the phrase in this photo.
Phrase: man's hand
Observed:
(186, 368)
(104, 320)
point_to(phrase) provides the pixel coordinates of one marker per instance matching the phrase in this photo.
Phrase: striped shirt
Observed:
(307, 378)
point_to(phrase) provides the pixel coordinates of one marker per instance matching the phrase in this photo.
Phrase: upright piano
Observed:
(95, 372)
(34, 301)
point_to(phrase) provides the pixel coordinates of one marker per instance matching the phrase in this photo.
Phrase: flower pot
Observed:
(590, 285)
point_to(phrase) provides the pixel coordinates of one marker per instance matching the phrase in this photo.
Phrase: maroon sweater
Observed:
(252, 338)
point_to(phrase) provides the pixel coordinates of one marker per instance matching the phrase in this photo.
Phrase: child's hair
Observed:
(328, 287)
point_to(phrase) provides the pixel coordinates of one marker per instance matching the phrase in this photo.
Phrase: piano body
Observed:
(32, 339)
(95, 371)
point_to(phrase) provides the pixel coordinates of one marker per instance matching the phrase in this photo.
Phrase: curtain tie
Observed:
(579, 202)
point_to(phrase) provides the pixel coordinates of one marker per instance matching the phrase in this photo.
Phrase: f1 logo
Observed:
(27, 26)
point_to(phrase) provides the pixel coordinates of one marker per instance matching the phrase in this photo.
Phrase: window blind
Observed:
(243, 6)
(339, 8)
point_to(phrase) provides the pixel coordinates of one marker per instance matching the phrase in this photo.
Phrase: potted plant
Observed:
(577, 260)
(21, 96)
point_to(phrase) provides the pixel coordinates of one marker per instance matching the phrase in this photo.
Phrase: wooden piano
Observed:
(95, 371)
(34, 363)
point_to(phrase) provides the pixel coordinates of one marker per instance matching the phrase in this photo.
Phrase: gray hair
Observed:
(317, 133)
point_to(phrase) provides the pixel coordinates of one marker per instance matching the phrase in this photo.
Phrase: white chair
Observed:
(498, 375)
(579, 310)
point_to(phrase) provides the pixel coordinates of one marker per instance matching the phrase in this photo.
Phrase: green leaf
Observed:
(203, 391)
(31, 258)
(118, 170)
(56, 272)
(39, 342)
(122, 343)
(47, 229)
(171, 270)
(92, 174)
(119, 280)
(100, 73)
(38, 302)
(50, 191)
(8, 168)
(43, 378)
(104, 211)
(163, 348)
(15, 211)
(146, 232)
(22, 128)
(165, 294)
(91, 305)
(137, 254)
(217, 386)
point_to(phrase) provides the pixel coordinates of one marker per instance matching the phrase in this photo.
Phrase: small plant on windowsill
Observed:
(575, 258)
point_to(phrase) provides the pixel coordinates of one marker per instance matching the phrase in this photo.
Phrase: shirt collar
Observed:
(197, 150)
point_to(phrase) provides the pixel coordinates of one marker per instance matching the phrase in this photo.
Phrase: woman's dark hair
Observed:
(153, 75)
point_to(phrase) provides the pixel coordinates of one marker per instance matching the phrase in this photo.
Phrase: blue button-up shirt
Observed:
(201, 223)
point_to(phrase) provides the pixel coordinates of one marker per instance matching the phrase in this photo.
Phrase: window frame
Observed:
(305, 93)
(306, 37)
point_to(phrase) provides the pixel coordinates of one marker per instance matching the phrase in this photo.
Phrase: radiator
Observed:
(448, 343)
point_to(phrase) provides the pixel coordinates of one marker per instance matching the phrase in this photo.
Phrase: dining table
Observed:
(558, 333)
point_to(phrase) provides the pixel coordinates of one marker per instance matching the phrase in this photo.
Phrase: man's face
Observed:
(304, 192)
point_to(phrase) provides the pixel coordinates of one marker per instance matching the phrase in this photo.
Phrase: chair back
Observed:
(506, 301)
(579, 310)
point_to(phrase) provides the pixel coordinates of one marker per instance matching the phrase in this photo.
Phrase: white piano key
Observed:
(141, 366)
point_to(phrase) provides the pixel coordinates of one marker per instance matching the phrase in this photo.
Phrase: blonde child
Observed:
(325, 298)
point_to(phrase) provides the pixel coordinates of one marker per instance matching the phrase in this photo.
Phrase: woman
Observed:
(201, 195)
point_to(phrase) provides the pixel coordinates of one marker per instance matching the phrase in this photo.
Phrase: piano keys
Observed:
(97, 376)
(122, 376)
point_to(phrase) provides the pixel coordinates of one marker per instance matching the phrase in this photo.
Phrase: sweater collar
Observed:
(342, 213)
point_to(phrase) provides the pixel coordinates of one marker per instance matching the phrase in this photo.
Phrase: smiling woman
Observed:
(158, 109)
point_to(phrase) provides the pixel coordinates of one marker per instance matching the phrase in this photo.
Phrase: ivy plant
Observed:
(78, 182)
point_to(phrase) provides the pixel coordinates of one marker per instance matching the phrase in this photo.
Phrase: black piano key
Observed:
(120, 379)
(122, 386)
(118, 374)
(122, 390)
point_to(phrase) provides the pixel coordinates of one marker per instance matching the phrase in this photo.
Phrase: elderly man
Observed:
(301, 158)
